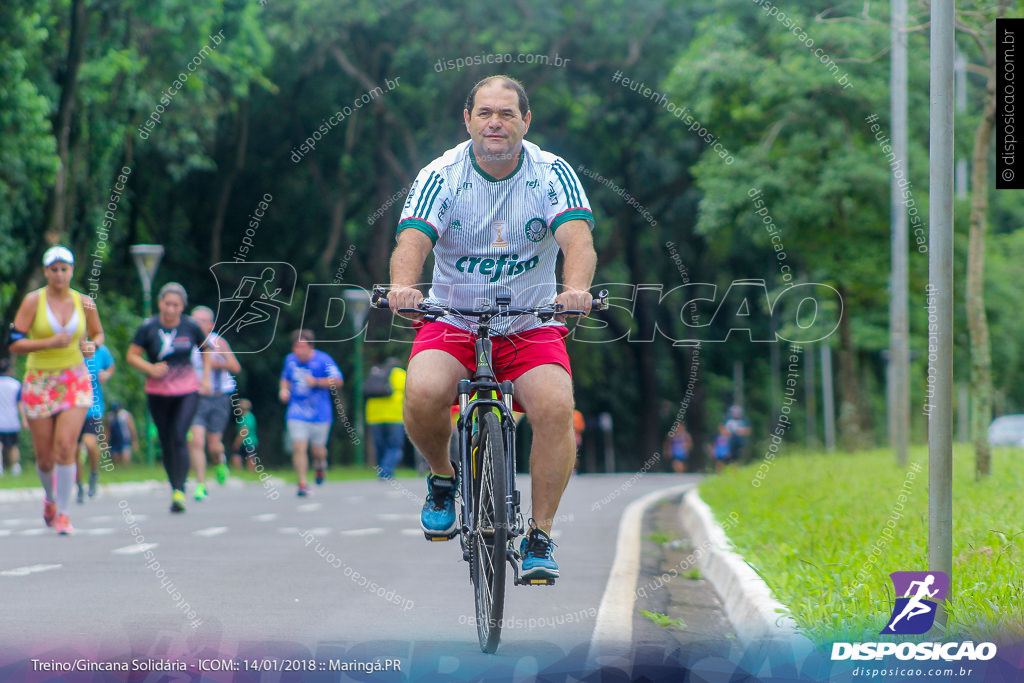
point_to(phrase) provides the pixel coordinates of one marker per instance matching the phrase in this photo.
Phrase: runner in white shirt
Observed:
(495, 211)
(206, 435)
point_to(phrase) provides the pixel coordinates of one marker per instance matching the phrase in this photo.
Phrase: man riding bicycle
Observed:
(495, 210)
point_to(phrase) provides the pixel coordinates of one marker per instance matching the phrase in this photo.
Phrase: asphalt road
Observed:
(255, 572)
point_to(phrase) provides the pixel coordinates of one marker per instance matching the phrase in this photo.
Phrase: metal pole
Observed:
(961, 174)
(963, 413)
(827, 400)
(899, 325)
(940, 276)
(810, 398)
(605, 421)
(775, 366)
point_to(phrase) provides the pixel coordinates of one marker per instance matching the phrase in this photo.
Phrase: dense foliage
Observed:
(324, 112)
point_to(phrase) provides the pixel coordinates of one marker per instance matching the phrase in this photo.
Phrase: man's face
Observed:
(496, 125)
(302, 350)
(205, 321)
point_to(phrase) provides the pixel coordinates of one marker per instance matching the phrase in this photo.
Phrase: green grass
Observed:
(660, 537)
(142, 472)
(809, 529)
(662, 620)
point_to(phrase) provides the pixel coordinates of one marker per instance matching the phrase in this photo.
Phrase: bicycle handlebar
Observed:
(434, 311)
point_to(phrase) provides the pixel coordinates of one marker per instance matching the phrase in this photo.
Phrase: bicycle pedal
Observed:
(437, 537)
(539, 582)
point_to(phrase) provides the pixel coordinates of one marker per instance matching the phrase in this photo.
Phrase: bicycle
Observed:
(489, 514)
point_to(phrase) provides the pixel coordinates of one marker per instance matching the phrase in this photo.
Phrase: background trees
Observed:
(79, 77)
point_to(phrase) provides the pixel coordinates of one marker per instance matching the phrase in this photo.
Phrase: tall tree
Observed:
(977, 20)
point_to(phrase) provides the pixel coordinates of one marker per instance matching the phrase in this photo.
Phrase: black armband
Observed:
(14, 334)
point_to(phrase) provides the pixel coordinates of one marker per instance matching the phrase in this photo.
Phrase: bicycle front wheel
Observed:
(490, 533)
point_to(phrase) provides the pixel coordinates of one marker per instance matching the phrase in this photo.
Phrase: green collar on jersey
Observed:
(487, 176)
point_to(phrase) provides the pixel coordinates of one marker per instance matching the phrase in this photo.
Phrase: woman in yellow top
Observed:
(58, 328)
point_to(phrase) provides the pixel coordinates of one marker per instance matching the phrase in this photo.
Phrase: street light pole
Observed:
(357, 305)
(899, 323)
(147, 260)
(940, 280)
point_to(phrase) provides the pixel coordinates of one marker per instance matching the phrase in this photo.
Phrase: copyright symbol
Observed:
(1007, 174)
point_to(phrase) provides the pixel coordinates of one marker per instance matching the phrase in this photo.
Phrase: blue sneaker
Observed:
(437, 519)
(537, 560)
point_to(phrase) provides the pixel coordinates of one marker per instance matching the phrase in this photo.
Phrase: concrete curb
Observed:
(612, 639)
(749, 604)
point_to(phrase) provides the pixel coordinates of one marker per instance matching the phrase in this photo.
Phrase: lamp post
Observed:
(147, 260)
(357, 305)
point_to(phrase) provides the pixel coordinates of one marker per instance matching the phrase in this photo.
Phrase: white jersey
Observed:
(10, 395)
(221, 381)
(494, 237)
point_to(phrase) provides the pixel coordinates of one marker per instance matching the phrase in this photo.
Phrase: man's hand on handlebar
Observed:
(574, 300)
(405, 297)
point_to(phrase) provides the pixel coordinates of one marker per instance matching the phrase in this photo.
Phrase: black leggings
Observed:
(172, 416)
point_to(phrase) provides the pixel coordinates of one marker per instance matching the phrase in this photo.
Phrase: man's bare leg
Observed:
(430, 391)
(546, 393)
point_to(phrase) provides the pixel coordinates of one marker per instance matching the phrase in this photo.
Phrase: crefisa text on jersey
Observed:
(947, 652)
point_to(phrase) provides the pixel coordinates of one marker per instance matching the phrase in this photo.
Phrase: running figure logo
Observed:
(255, 292)
(919, 594)
(166, 343)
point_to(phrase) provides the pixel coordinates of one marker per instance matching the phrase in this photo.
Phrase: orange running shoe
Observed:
(63, 525)
(49, 512)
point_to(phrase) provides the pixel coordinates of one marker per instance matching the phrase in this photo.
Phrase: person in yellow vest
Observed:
(58, 328)
(384, 415)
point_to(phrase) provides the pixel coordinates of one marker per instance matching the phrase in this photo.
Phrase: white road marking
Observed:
(318, 531)
(309, 507)
(5, 532)
(362, 532)
(289, 530)
(211, 531)
(32, 569)
(101, 518)
(101, 531)
(266, 517)
(412, 532)
(33, 532)
(135, 548)
(18, 522)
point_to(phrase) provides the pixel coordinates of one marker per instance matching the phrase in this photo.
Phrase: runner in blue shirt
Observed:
(307, 382)
(93, 437)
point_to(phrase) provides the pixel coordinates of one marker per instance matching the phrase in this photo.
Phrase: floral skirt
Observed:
(48, 392)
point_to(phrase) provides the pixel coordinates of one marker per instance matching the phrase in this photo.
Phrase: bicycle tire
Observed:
(489, 544)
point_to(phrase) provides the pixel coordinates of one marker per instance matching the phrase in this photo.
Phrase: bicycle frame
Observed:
(492, 396)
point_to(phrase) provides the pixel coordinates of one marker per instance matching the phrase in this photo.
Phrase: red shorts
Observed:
(513, 355)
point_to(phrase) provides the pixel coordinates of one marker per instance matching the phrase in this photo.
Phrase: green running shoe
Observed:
(222, 473)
